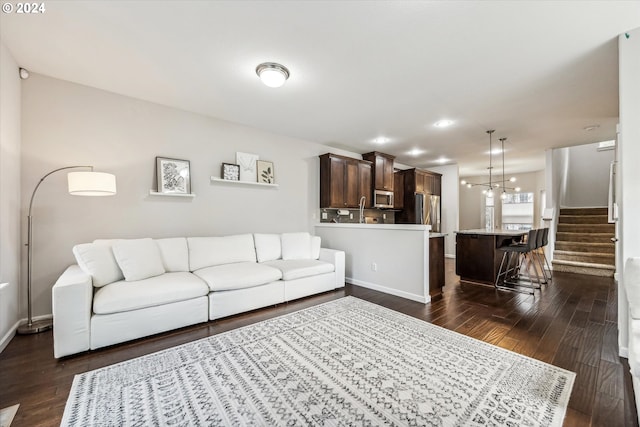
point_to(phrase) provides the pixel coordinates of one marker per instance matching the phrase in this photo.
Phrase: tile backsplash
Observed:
(376, 216)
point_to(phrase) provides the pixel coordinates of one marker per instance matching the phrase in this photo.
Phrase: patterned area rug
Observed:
(346, 362)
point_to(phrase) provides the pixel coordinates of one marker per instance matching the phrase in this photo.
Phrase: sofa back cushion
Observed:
(175, 254)
(97, 260)
(296, 246)
(138, 259)
(268, 247)
(210, 251)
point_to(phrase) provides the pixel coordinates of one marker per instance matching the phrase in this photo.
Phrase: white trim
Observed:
(624, 352)
(6, 339)
(155, 193)
(391, 291)
(12, 331)
(451, 256)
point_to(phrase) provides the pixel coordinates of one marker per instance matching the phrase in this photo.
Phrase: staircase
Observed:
(583, 242)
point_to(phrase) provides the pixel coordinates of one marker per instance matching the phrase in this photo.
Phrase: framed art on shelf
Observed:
(230, 172)
(247, 163)
(265, 172)
(173, 175)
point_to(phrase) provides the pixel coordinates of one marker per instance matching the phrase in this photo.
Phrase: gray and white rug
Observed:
(347, 362)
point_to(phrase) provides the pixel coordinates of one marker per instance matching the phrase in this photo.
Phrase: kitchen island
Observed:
(478, 253)
(391, 258)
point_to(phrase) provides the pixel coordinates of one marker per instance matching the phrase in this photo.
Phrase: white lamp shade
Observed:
(91, 183)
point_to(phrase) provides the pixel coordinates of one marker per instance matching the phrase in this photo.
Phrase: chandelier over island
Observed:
(494, 184)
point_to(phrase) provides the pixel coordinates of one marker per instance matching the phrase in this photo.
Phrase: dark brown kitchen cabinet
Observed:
(415, 181)
(436, 267)
(382, 170)
(343, 181)
(398, 190)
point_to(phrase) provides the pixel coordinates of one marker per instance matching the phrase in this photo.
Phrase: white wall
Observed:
(9, 194)
(472, 199)
(629, 153)
(450, 205)
(69, 124)
(587, 182)
(400, 253)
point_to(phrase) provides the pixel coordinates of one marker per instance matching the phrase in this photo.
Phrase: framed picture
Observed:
(247, 163)
(230, 172)
(173, 176)
(265, 172)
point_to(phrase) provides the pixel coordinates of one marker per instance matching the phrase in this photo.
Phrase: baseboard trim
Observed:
(391, 291)
(6, 339)
(624, 352)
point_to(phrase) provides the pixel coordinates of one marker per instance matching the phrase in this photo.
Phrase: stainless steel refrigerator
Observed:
(428, 210)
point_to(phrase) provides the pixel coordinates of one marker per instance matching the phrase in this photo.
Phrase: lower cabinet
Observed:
(436, 267)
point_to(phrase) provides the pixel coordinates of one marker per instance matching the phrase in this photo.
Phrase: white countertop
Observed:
(432, 235)
(496, 232)
(406, 227)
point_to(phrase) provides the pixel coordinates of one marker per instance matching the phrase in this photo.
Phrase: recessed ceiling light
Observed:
(442, 160)
(272, 74)
(415, 152)
(443, 123)
(381, 140)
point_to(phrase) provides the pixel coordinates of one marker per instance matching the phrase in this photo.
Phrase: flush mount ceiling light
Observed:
(443, 123)
(272, 74)
(491, 185)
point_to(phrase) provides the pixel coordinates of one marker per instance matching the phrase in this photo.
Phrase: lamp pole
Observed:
(32, 327)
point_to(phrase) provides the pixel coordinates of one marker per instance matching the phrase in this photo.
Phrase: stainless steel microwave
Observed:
(383, 199)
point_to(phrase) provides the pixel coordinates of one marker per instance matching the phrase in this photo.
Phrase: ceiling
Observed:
(538, 72)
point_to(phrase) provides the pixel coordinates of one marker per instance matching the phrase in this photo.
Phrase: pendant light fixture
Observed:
(272, 74)
(491, 185)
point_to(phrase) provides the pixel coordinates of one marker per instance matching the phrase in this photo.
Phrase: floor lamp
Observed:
(84, 183)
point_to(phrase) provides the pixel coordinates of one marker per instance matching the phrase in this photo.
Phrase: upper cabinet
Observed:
(421, 181)
(382, 170)
(343, 181)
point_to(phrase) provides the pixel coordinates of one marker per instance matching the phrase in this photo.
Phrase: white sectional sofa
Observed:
(121, 290)
(632, 288)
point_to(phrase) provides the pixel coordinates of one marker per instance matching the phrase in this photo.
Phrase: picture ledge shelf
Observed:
(155, 193)
(230, 181)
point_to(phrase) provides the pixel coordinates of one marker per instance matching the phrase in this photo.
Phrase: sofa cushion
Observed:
(97, 260)
(138, 259)
(175, 253)
(296, 246)
(268, 247)
(238, 275)
(315, 247)
(299, 268)
(210, 251)
(164, 289)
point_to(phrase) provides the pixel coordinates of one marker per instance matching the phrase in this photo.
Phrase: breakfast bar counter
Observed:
(478, 255)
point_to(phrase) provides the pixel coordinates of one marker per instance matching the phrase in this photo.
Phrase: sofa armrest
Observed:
(72, 296)
(336, 258)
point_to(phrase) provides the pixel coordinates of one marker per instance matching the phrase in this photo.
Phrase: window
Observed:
(489, 207)
(517, 211)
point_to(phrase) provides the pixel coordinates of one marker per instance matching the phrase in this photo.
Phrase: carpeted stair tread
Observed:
(584, 219)
(566, 236)
(591, 269)
(607, 248)
(586, 228)
(583, 211)
(590, 257)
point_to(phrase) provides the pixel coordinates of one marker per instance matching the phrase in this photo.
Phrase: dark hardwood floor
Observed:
(571, 324)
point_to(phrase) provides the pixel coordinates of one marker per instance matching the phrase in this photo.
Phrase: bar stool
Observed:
(545, 242)
(517, 257)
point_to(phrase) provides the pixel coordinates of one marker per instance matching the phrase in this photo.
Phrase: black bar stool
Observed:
(514, 259)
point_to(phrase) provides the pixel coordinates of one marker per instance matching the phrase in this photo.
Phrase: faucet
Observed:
(361, 204)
